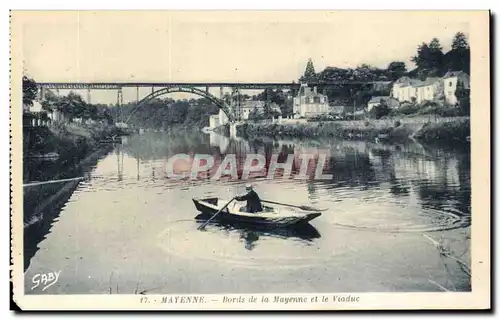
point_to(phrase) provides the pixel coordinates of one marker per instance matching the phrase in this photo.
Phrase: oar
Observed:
(206, 222)
(307, 208)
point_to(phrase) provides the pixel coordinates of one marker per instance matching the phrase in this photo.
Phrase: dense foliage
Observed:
(30, 91)
(165, 113)
(74, 107)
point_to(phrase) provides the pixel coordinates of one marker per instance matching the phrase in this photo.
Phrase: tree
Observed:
(254, 114)
(460, 42)
(396, 70)
(268, 112)
(50, 101)
(429, 59)
(439, 92)
(30, 91)
(458, 59)
(309, 73)
(287, 107)
(381, 110)
(436, 54)
(72, 106)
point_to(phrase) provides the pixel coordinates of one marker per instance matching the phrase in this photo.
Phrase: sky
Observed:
(219, 46)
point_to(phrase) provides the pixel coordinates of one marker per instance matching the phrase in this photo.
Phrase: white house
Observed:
(214, 121)
(249, 105)
(427, 90)
(450, 81)
(309, 103)
(404, 89)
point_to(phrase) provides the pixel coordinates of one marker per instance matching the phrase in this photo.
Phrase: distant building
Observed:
(249, 106)
(407, 89)
(450, 81)
(375, 101)
(309, 103)
(404, 89)
(214, 121)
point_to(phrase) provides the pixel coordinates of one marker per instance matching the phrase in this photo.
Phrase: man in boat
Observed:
(252, 198)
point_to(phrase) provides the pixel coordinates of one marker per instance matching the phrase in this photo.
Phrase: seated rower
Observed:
(252, 199)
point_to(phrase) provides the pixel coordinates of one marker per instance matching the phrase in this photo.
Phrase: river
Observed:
(130, 229)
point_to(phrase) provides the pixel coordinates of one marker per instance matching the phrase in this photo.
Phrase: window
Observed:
(451, 84)
(316, 99)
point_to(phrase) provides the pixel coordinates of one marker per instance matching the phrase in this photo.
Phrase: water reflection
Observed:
(375, 191)
(439, 178)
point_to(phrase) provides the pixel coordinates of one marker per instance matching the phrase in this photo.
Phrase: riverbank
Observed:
(55, 153)
(64, 145)
(424, 129)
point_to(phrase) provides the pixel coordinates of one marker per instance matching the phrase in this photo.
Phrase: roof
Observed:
(378, 99)
(308, 93)
(428, 82)
(405, 82)
(402, 80)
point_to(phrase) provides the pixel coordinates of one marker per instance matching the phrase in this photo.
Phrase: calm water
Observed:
(130, 229)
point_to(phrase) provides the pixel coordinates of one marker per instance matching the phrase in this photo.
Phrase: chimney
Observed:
(315, 90)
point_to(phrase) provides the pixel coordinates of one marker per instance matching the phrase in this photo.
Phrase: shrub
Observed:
(397, 123)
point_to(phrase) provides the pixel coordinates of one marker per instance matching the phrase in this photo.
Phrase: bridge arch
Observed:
(218, 102)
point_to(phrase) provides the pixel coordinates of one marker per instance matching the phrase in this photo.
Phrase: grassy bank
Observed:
(424, 129)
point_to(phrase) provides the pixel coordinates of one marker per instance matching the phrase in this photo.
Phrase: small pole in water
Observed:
(38, 183)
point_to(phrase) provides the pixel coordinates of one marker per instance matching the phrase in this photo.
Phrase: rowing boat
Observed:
(277, 216)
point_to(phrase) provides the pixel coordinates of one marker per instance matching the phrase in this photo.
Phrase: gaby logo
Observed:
(204, 166)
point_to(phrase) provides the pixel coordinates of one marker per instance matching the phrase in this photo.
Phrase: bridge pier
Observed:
(232, 129)
(88, 96)
(119, 103)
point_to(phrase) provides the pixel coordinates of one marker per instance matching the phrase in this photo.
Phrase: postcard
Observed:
(250, 160)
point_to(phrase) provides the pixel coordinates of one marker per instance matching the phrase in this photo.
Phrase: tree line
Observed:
(164, 113)
(71, 106)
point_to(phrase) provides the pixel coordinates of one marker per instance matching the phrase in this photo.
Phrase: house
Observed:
(249, 105)
(309, 103)
(214, 121)
(450, 81)
(427, 90)
(406, 89)
(403, 89)
(390, 102)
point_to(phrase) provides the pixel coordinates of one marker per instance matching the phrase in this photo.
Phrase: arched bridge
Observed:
(203, 93)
